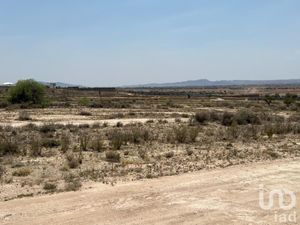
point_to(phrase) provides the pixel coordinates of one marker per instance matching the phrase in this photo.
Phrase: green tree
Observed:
(27, 91)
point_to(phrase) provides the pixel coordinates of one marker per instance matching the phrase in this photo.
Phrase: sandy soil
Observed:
(110, 122)
(71, 116)
(221, 196)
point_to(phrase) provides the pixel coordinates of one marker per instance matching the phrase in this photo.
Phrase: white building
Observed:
(8, 84)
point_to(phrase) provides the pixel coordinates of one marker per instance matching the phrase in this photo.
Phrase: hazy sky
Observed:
(119, 42)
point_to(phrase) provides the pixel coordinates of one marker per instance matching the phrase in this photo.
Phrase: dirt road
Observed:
(222, 196)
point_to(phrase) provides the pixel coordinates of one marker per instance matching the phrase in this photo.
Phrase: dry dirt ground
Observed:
(220, 196)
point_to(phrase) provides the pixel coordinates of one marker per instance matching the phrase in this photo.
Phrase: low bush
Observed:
(97, 144)
(189, 152)
(24, 116)
(150, 121)
(215, 116)
(8, 146)
(227, 118)
(83, 126)
(142, 153)
(281, 128)
(85, 113)
(193, 133)
(2, 171)
(4, 103)
(22, 172)
(119, 124)
(84, 101)
(244, 117)
(289, 99)
(50, 186)
(73, 160)
(185, 134)
(268, 130)
(178, 120)
(35, 146)
(84, 140)
(50, 143)
(138, 135)
(169, 154)
(73, 182)
(48, 128)
(117, 139)
(112, 156)
(202, 117)
(205, 116)
(181, 134)
(65, 141)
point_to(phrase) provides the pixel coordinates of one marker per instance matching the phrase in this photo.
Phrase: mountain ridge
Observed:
(207, 83)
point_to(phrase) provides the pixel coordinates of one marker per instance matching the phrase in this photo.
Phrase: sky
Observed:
(123, 42)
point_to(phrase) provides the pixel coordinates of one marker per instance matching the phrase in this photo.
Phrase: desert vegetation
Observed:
(27, 91)
(122, 135)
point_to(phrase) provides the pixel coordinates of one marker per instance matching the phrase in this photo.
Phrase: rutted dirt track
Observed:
(222, 196)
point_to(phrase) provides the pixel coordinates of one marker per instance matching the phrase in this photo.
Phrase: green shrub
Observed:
(27, 91)
(84, 101)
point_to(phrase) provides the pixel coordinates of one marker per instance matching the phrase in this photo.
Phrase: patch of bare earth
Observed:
(221, 196)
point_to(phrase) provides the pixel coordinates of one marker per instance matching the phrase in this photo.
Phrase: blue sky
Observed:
(119, 42)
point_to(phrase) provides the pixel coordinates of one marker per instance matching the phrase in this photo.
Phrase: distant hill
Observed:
(207, 83)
